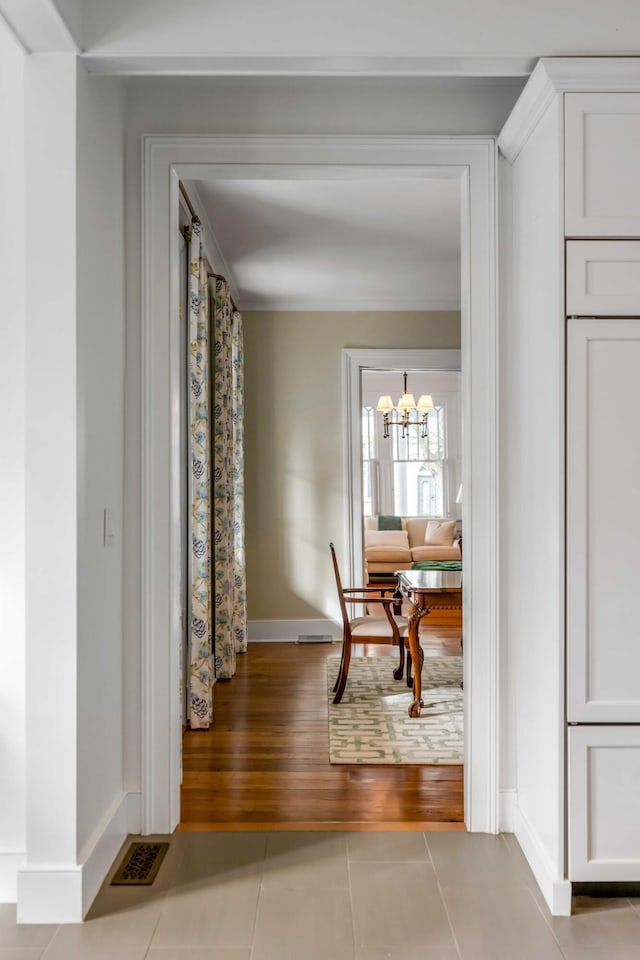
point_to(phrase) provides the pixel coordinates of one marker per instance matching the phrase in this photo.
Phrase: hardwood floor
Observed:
(264, 763)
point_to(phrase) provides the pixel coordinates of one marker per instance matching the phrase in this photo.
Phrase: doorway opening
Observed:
(240, 158)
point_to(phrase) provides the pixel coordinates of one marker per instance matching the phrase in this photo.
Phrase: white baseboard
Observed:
(289, 630)
(50, 896)
(10, 863)
(507, 810)
(64, 895)
(102, 847)
(555, 890)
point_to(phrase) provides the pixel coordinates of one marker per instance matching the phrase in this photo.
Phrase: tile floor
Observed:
(334, 896)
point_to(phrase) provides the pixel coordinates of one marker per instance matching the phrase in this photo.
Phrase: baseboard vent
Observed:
(140, 864)
(314, 638)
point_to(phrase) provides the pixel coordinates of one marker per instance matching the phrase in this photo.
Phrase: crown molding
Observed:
(497, 69)
(554, 76)
(39, 27)
(530, 107)
(593, 74)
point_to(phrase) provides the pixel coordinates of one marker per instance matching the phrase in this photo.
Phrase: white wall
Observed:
(12, 465)
(51, 472)
(532, 406)
(74, 184)
(100, 372)
(319, 105)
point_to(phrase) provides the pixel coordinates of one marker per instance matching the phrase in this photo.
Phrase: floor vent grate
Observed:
(140, 864)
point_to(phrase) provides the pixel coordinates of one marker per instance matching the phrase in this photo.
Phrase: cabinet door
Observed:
(603, 278)
(604, 803)
(603, 520)
(602, 164)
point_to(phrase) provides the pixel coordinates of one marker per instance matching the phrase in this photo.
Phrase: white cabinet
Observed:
(604, 803)
(603, 520)
(603, 278)
(602, 164)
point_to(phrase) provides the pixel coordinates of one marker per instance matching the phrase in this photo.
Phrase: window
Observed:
(368, 459)
(411, 475)
(419, 468)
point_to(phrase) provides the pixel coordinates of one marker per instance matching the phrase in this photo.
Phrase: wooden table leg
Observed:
(417, 612)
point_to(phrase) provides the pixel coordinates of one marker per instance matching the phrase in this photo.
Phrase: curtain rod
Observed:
(196, 219)
(185, 195)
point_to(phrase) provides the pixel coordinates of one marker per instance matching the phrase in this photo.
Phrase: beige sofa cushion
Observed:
(388, 566)
(386, 538)
(436, 553)
(391, 546)
(440, 533)
(416, 527)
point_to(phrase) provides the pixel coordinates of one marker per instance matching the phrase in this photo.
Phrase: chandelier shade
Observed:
(405, 407)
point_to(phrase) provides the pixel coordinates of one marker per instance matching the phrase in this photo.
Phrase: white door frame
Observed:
(472, 161)
(354, 363)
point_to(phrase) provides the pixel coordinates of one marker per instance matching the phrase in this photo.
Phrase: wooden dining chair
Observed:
(367, 628)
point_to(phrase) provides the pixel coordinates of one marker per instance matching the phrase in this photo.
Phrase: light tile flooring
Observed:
(334, 896)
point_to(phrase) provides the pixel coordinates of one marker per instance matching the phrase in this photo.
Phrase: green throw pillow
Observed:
(387, 522)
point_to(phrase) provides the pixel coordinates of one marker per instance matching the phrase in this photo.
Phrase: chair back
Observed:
(343, 606)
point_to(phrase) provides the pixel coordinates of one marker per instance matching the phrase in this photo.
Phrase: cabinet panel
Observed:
(604, 803)
(602, 151)
(603, 278)
(603, 520)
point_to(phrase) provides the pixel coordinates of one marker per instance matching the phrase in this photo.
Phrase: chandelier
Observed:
(405, 407)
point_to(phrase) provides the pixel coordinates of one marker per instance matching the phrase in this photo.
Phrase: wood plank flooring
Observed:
(264, 764)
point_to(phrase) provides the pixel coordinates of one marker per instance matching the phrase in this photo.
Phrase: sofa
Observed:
(419, 538)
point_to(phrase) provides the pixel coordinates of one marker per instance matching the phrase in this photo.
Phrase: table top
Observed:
(424, 581)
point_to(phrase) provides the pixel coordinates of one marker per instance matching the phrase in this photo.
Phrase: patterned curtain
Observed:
(230, 634)
(201, 675)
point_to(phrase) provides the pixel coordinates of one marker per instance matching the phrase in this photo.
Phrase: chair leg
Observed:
(344, 643)
(341, 682)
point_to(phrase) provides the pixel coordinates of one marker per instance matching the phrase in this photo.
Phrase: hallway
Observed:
(334, 896)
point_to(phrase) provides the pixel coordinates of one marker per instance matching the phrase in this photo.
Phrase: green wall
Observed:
(294, 446)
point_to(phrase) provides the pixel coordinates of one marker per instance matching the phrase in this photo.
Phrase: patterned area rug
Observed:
(371, 723)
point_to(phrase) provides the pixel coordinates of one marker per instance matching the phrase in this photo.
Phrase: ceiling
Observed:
(460, 37)
(335, 244)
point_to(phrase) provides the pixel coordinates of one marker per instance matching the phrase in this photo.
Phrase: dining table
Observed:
(424, 590)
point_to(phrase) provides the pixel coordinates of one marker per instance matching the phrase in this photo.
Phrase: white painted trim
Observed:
(289, 630)
(556, 75)
(473, 160)
(555, 890)
(10, 865)
(500, 69)
(40, 28)
(529, 109)
(593, 74)
(508, 804)
(354, 362)
(50, 895)
(64, 894)
(308, 306)
(98, 854)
